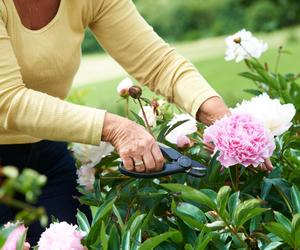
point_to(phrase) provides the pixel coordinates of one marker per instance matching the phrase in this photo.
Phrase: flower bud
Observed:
(237, 40)
(135, 92)
(183, 142)
(124, 86)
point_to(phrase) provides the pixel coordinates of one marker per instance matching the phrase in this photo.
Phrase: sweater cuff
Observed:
(201, 99)
(96, 131)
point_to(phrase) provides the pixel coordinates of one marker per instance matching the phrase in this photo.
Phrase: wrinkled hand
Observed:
(137, 148)
(213, 109)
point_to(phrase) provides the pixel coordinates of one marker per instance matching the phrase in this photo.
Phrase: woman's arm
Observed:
(38, 114)
(132, 42)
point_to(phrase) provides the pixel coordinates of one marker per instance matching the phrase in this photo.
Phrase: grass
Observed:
(222, 75)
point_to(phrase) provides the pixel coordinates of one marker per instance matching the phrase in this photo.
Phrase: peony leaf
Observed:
(153, 242)
(247, 210)
(114, 239)
(191, 194)
(82, 221)
(233, 202)
(254, 92)
(190, 214)
(126, 241)
(252, 76)
(103, 237)
(280, 231)
(295, 197)
(272, 245)
(136, 224)
(283, 220)
(296, 229)
(222, 199)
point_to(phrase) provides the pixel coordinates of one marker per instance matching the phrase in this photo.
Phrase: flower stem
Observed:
(278, 60)
(145, 117)
(127, 107)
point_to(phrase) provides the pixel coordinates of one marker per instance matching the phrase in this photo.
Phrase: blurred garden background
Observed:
(197, 29)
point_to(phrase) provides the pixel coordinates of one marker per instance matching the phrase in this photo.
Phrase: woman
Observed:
(39, 56)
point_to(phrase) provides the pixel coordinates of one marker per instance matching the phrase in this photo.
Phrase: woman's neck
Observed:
(36, 14)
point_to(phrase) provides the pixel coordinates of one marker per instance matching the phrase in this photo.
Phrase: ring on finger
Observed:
(138, 162)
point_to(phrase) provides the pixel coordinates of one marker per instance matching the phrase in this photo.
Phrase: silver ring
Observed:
(138, 162)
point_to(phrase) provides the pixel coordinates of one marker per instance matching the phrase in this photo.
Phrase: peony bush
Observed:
(236, 205)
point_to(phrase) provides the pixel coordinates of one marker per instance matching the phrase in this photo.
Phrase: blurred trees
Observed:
(191, 19)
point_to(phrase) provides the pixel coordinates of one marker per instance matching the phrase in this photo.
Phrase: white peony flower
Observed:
(242, 45)
(61, 236)
(86, 176)
(186, 128)
(124, 86)
(275, 116)
(89, 154)
(150, 115)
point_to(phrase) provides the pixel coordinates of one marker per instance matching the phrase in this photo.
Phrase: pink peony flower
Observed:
(86, 176)
(61, 236)
(240, 139)
(14, 237)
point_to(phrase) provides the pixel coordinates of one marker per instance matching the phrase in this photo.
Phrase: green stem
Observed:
(127, 107)
(145, 117)
(278, 60)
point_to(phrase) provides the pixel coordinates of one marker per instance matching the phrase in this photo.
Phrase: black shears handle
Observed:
(179, 164)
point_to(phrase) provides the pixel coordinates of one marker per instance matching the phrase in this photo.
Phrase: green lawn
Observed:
(222, 75)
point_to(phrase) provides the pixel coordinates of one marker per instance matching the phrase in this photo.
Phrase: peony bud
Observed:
(183, 142)
(135, 92)
(124, 86)
(237, 40)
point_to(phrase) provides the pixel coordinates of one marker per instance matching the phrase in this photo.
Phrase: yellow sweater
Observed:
(37, 69)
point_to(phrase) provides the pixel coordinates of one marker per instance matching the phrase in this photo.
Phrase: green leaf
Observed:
(254, 92)
(138, 119)
(222, 199)
(136, 224)
(233, 202)
(117, 214)
(21, 241)
(280, 218)
(267, 78)
(191, 194)
(202, 244)
(188, 247)
(101, 213)
(82, 221)
(280, 231)
(153, 242)
(114, 239)
(272, 245)
(137, 241)
(282, 81)
(190, 214)
(126, 241)
(104, 240)
(252, 76)
(247, 210)
(295, 197)
(296, 229)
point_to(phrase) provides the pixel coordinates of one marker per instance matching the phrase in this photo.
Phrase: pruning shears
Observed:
(177, 163)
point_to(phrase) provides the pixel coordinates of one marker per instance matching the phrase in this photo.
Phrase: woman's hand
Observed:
(213, 109)
(136, 147)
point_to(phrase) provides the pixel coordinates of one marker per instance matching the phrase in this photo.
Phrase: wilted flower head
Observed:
(61, 236)
(240, 139)
(135, 91)
(275, 116)
(124, 86)
(242, 45)
(86, 176)
(150, 115)
(89, 154)
(186, 128)
(14, 237)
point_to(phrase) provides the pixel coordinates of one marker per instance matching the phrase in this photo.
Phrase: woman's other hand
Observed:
(137, 147)
(211, 110)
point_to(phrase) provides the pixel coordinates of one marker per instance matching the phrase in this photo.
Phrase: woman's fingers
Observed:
(158, 157)
(150, 165)
(268, 164)
(139, 164)
(128, 163)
